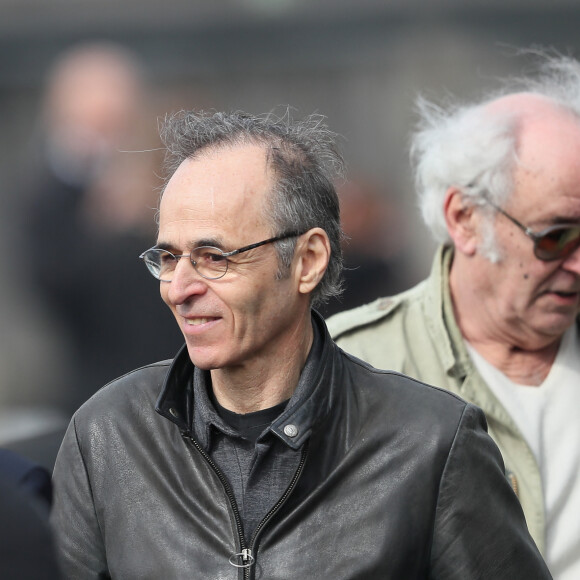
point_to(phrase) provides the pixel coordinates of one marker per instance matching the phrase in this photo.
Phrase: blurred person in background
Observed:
(374, 228)
(33, 479)
(26, 540)
(89, 213)
(497, 320)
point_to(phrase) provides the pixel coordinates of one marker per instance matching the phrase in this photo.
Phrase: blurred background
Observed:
(82, 86)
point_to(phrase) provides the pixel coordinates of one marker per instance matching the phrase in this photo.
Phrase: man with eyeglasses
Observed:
(262, 450)
(497, 320)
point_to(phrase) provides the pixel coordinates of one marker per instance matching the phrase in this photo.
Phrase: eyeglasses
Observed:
(553, 243)
(209, 262)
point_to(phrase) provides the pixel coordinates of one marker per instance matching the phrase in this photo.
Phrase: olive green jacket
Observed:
(415, 333)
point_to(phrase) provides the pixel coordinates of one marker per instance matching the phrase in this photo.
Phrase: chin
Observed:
(202, 359)
(557, 326)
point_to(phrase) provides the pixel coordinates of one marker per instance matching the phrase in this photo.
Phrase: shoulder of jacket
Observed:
(128, 389)
(387, 385)
(375, 311)
(145, 373)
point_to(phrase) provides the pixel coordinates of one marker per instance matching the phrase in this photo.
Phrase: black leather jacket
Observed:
(398, 480)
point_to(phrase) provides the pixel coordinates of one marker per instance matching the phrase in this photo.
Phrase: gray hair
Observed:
(475, 149)
(304, 159)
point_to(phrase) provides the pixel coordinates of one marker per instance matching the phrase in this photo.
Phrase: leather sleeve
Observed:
(75, 523)
(480, 530)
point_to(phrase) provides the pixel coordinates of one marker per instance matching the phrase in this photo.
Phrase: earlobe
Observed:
(314, 254)
(461, 221)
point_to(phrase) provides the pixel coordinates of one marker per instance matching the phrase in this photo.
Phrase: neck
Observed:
(261, 384)
(520, 366)
(524, 360)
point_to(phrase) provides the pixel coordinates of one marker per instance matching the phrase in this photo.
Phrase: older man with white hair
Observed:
(497, 320)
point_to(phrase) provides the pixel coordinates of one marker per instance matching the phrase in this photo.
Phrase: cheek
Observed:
(529, 282)
(239, 306)
(524, 268)
(259, 307)
(523, 271)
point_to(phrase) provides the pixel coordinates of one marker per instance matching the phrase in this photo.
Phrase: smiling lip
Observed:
(561, 295)
(198, 325)
(197, 321)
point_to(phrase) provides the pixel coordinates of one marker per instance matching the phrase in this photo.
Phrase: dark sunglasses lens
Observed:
(558, 242)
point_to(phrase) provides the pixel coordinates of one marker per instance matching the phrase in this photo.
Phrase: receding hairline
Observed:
(528, 107)
(266, 146)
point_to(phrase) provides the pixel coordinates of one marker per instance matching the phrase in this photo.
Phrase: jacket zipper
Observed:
(247, 553)
(277, 505)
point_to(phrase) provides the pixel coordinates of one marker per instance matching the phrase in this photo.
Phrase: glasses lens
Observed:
(557, 242)
(209, 262)
(160, 263)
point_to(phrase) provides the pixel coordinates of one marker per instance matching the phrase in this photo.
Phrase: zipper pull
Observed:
(243, 559)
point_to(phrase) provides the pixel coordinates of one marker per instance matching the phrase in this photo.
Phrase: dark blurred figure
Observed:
(31, 478)
(26, 543)
(89, 217)
(374, 266)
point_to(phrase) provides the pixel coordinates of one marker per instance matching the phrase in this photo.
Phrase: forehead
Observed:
(547, 175)
(217, 194)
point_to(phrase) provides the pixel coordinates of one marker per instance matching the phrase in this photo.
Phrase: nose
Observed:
(186, 282)
(572, 262)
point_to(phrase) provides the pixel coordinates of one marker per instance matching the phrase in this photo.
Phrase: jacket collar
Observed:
(308, 405)
(175, 402)
(444, 327)
(451, 346)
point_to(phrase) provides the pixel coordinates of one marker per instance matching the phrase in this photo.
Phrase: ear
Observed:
(313, 253)
(461, 219)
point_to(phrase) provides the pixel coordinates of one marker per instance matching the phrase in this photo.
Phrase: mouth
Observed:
(564, 297)
(198, 321)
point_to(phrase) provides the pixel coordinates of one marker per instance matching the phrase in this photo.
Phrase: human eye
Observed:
(210, 256)
(210, 262)
(165, 261)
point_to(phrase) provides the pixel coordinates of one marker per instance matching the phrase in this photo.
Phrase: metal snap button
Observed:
(291, 430)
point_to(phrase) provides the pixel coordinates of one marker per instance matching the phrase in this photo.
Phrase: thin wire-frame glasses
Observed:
(553, 243)
(209, 262)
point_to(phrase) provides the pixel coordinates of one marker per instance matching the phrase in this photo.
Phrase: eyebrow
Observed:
(213, 242)
(541, 225)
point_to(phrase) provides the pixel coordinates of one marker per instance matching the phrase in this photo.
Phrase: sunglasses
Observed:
(553, 243)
